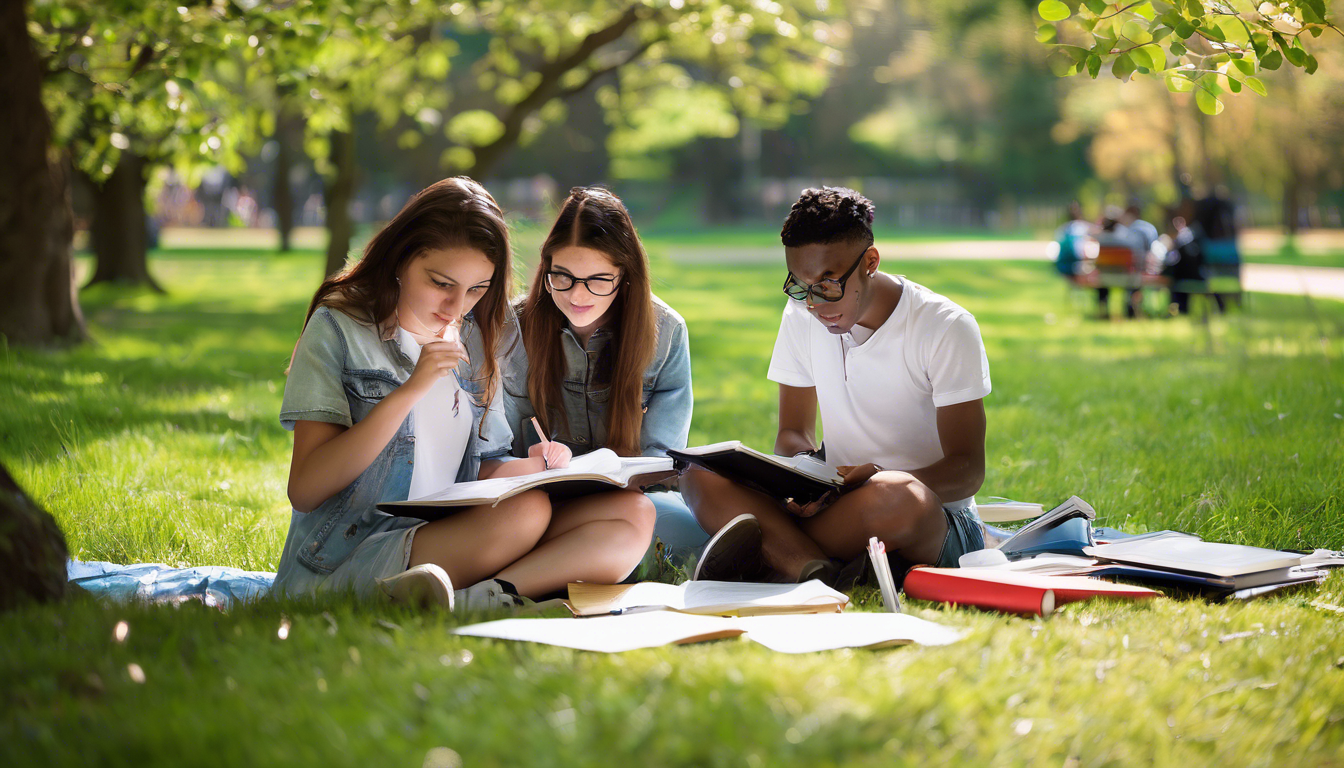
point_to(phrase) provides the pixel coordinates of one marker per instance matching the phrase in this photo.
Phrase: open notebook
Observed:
(708, 598)
(600, 470)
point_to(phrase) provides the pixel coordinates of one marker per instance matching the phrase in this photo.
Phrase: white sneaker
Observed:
(488, 595)
(424, 586)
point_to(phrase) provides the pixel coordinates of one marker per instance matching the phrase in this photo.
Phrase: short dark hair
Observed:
(828, 215)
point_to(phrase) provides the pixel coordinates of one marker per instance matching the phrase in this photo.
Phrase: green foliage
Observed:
(1217, 46)
(154, 79)
(198, 85)
(668, 71)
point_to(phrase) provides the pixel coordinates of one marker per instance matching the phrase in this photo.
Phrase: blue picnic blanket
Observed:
(214, 585)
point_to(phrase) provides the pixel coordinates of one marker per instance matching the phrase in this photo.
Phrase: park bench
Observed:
(1114, 266)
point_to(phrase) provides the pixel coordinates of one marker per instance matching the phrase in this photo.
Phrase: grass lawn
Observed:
(1298, 259)
(159, 442)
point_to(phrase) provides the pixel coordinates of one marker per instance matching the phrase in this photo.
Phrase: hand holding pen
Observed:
(553, 455)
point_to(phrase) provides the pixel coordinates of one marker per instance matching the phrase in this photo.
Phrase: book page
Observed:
(706, 596)
(602, 463)
(595, 599)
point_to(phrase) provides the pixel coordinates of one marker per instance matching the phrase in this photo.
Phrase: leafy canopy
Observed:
(1210, 47)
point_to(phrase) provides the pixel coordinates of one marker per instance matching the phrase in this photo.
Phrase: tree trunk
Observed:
(118, 232)
(1292, 187)
(40, 305)
(32, 549)
(285, 128)
(340, 191)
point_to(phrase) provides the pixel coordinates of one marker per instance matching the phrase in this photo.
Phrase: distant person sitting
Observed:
(1145, 232)
(1071, 238)
(1184, 261)
(1120, 254)
(1217, 218)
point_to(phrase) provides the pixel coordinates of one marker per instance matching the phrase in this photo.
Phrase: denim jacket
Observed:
(341, 370)
(667, 389)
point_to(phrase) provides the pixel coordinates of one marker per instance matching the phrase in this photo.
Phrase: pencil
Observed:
(542, 436)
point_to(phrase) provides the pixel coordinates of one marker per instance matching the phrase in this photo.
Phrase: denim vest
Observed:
(341, 370)
(667, 395)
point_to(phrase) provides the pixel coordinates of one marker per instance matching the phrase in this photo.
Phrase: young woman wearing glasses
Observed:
(898, 374)
(602, 362)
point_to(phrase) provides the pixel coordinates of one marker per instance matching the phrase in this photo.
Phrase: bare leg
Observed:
(598, 538)
(473, 545)
(893, 506)
(715, 500)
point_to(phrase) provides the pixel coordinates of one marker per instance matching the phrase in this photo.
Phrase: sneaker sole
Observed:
(733, 527)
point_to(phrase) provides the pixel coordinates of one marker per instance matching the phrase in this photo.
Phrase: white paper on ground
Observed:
(794, 633)
(607, 634)
(805, 633)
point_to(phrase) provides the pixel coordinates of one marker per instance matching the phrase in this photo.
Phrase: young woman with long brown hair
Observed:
(603, 362)
(392, 394)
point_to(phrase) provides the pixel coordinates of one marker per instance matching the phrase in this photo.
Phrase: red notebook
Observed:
(1028, 594)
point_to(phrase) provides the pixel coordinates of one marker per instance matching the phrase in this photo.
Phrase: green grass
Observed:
(1299, 259)
(159, 442)
(753, 235)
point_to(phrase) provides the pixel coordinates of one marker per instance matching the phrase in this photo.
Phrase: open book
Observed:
(600, 470)
(801, 478)
(1036, 536)
(707, 598)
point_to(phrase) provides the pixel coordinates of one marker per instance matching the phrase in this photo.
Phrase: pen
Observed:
(638, 609)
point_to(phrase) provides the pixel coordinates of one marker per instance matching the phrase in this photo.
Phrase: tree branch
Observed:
(597, 73)
(1119, 11)
(548, 85)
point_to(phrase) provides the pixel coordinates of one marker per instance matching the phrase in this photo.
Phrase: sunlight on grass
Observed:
(159, 442)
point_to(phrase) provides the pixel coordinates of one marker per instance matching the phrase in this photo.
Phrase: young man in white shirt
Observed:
(899, 374)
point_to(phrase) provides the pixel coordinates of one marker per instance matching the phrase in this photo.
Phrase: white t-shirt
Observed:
(878, 393)
(441, 434)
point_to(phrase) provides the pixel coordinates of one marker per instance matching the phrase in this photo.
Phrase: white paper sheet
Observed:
(806, 633)
(606, 634)
(794, 633)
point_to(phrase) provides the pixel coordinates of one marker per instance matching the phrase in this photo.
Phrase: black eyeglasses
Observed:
(598, 286)
(827, 290)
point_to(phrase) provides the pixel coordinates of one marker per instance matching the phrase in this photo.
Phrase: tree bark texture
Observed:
(118, 233)
(40, 306)
(286, 127)
(32, 549)
(340, 192)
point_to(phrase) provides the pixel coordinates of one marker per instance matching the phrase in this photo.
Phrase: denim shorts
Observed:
(964, 534)
(384, 553)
